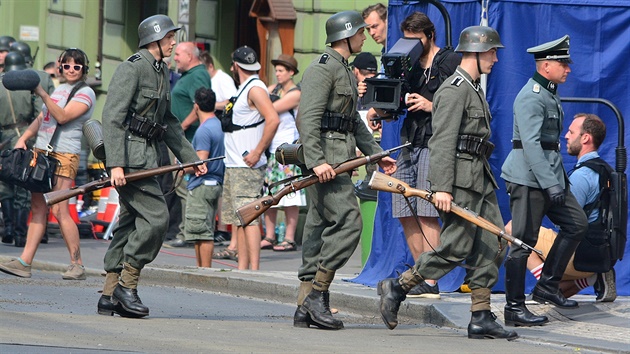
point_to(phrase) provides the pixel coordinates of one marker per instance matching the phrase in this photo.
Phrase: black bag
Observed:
(28, 169)
(605, 240)
(226, 117)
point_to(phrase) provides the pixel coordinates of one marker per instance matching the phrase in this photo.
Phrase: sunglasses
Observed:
(76, 67)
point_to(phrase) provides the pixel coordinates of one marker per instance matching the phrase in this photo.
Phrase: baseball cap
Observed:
(365, 61)
(246, 58)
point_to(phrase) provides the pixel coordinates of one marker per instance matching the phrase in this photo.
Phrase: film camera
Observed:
(387, 91)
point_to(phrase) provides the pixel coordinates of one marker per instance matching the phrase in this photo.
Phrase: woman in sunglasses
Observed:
(58, 131)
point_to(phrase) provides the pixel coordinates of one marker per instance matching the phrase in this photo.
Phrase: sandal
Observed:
(226, 253)
(270, 243)
(285, 246)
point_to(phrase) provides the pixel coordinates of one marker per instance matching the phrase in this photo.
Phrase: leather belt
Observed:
(475, 146)
(546, 145)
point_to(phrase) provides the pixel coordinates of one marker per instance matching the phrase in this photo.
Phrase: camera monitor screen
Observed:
(383, 93)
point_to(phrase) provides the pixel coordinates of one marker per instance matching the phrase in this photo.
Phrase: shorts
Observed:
(242, 185)
(277, 172)
(414, 172)
(546, 237)
(68, 163)
(201, 210)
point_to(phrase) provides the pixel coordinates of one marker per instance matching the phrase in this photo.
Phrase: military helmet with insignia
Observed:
(24, 49)
(342, 25)
(154, 28)
(5, 43)
(14, 61)
(555, 50)
(478, 39)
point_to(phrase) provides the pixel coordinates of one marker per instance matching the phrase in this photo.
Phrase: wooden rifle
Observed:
(385, 183)
(249, 212)
(55, 197)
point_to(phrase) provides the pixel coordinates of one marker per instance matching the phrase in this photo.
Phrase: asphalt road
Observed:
(45, 314)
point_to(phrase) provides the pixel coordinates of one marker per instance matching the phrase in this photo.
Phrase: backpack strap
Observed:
(603, 169)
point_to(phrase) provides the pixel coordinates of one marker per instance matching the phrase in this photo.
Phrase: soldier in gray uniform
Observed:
(459, 172)
(136, 117)
(17, 111)
(538, 185)
(331, 129)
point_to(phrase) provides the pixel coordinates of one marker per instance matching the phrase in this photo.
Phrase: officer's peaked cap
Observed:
(555, 50)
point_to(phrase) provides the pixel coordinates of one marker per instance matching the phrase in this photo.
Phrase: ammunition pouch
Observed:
(145, 128)
(338, 122)
(475, 146)
(290, 154)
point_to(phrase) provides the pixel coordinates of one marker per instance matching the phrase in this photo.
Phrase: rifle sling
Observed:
(457, 263)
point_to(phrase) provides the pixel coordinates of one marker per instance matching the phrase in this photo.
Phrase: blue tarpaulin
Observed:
(600, 48)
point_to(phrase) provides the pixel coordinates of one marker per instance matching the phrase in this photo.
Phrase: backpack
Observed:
(605, 240)
(226, 117)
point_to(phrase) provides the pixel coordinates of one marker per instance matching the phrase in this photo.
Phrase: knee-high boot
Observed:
(8, 218)
(515, 311)
(547, 288)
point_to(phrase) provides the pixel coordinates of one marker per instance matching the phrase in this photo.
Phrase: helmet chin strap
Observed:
(349, 46)
(160, 47)
(478, 64)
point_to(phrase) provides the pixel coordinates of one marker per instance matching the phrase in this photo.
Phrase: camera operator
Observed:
(434, 66)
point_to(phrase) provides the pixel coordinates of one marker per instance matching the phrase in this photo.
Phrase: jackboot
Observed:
(317, 303)
(547, 288)
(105, 305)
(21, 229)
(125, 294)
(301, 318)
(515, 311)
(483, 325)
(8, 218)
(393, 291)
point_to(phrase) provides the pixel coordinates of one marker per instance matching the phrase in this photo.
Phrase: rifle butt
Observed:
(382, 182)
(249, 212)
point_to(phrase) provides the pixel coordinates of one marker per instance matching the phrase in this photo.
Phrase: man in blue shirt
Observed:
(204, 191)
(585, 135)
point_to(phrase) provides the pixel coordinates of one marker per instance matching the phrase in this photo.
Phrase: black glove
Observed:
(556, 195)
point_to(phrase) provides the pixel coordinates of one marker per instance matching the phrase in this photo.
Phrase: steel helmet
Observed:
(478, 39)
(23, 49)
(343, 25)
(14, 61)
(154, 28)
(5, 43)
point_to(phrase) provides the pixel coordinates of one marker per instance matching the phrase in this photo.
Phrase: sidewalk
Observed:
(594, 326)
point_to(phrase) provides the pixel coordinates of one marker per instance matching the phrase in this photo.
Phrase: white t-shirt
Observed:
(69, 135)
(241, 141)
(223, 86)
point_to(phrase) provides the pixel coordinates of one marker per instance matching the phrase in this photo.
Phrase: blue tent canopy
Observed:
(599, 31)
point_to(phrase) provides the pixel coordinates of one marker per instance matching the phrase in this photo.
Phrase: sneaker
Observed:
(425, 291)
(15, 267)
(176, 243)
(606, 286)
(74, 272)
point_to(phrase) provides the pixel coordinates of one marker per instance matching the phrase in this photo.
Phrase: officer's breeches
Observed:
(333, 226)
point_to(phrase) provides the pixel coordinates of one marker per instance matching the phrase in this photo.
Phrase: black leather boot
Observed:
(317, 305)
(392, 294)
(8, 218)
(21, 229)
(129, 301)
(302, 319)
(515, 311)
(483, 325)
(547, 288)
(106, 307)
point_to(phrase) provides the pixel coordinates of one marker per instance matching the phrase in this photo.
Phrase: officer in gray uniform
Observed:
(331, 129)
(459, 172)
(44, 78)
(538, 185)
(17, 111)
(136, 117)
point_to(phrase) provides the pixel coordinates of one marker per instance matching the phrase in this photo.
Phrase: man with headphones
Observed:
(136, 117)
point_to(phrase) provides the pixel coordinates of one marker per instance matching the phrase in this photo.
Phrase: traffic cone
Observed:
(112, 205)
(102, 206)
(72, 206)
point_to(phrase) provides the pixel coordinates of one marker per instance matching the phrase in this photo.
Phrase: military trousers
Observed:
(529, 205)
(462, 241)
(333, 226)
(142, 225)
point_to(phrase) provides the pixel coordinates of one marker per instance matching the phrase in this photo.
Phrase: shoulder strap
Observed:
(244, 87)
(55, 136)
(603, 169)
